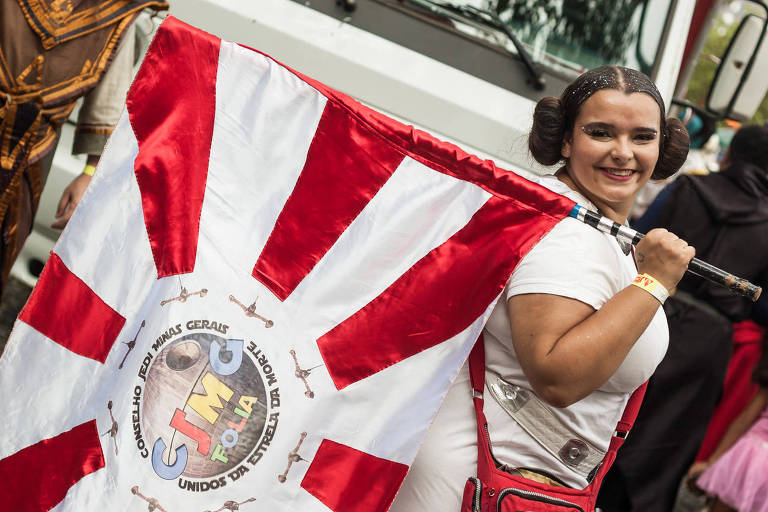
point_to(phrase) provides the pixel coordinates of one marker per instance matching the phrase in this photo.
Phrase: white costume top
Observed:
(573, 260)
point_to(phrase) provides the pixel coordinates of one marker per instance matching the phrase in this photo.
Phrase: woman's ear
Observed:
(565, 150)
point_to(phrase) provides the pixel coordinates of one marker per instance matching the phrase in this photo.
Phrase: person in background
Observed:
(52, 54)
(701, 160)
(736, 474)
(725, 216)
(96, 119)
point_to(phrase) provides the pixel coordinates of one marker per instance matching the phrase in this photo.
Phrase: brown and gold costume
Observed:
(51, 53)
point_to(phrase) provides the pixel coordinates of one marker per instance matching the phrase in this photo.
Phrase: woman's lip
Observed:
(616, 177)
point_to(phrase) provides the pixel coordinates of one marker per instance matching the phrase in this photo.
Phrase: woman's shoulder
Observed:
(551, 182)
(573, 260)
(577, 244)
(569, 232)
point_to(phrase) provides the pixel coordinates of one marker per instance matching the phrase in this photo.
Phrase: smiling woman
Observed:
(613, 149)
(579, 326)
(609, 129)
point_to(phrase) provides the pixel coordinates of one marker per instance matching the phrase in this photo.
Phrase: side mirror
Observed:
(740, 80)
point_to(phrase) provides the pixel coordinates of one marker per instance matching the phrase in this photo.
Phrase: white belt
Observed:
(537, 419)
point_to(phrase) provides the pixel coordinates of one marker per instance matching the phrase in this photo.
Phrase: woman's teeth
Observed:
(618, 172)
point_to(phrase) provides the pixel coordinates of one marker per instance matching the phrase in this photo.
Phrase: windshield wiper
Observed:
(485, 18)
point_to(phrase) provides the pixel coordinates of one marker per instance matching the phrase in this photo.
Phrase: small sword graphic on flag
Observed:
(696, 266)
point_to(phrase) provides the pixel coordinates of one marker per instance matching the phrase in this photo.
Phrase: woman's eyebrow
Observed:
(609, 126)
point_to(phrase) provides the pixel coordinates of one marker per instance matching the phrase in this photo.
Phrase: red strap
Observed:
(485, 463)
(632, 408)
(477, 365)
(494, 478)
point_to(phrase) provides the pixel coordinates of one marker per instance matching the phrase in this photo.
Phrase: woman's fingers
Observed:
(664, 256)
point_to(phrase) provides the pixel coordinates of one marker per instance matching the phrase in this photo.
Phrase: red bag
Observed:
(495, 490)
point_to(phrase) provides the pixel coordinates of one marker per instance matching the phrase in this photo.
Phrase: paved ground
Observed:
(14, 297)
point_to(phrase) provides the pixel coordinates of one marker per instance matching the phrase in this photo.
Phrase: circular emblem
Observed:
(204, 406)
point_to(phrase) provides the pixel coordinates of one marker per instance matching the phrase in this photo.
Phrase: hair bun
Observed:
(546, 137)
(674, 149)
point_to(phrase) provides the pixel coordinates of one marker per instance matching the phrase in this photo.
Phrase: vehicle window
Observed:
(559, 39)
(572, 35)
(582, 34)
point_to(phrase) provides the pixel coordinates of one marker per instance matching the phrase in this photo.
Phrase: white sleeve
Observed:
(573, 260)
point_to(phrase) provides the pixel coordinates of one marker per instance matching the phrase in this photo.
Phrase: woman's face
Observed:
(613, 149)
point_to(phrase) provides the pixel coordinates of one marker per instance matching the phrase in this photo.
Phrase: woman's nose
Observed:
(621, 151)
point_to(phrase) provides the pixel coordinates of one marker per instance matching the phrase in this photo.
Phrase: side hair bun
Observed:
(545, 140)
(674, 149)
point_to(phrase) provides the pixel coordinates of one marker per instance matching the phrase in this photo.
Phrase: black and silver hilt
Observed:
(696, 266)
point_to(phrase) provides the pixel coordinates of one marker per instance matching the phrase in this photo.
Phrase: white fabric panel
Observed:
(106, 238)
(32, 371)
(257, 158)
(415, 211)
(388, 413)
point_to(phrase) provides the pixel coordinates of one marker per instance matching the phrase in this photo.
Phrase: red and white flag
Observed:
(260, 302)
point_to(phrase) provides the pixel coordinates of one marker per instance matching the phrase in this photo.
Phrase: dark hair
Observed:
(760, 373)
(553, 118)
(749, 146)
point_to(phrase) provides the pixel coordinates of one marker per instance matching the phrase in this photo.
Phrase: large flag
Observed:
(260, 302)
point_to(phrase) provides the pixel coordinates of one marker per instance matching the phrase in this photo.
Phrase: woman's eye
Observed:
(598, 133)
(645, 137)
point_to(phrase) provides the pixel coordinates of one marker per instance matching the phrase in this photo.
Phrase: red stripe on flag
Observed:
(83, 323)
(346, 165)
(438, 297)
(439, 155)
(174, 132)
(38, 477)
(348, 480)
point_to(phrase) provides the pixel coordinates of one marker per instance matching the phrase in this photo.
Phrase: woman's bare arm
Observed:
(567, 349)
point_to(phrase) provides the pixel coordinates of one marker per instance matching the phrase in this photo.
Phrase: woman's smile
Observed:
(618, 173)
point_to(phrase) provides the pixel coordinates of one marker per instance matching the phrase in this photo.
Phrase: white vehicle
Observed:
(469, 71)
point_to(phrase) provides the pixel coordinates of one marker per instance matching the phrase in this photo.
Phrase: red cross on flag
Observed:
(261, 300)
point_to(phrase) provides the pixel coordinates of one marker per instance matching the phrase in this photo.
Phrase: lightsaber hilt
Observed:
(700, 268)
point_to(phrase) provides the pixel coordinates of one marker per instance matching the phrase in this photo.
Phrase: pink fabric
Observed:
(738, 388)
(740, 477)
